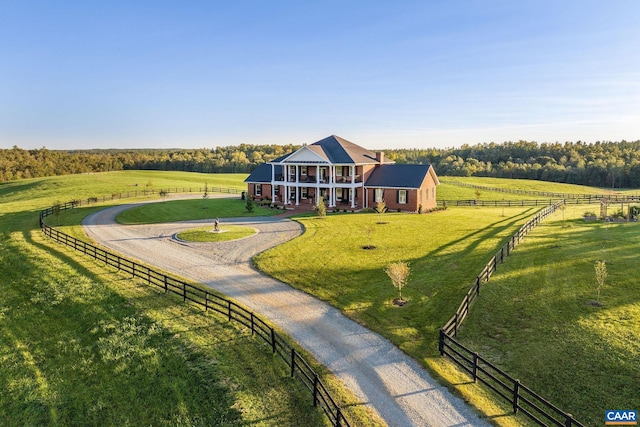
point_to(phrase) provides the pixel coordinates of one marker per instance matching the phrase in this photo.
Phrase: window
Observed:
(305, 192)
(277, 190)
(303, 170)
(379, 195)
(257, 190)
(402, 197)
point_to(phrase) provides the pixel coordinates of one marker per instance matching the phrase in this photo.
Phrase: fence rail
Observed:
(521, 398)
(298, 366)
(566, 196)
(538, 202)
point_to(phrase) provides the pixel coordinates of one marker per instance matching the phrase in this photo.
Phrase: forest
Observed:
(599, 164)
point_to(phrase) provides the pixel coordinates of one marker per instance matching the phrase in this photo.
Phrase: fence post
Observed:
(568, 421)
(206, 301)
(133, 270)
(293, 361)
(184, 291)
(252, 327)
(455, 325)
(166, 287)
(338, 417)
(273, 341)
(475, 366)
(315, 389)
(441, 342)
(229, 310)
(478, 285)
(516, 396)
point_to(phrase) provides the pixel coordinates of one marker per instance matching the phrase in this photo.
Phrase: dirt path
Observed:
(379, 373)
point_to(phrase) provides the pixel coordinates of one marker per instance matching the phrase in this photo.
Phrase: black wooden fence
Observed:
(209, 301)
(161, 192)
(566, 196)
(520, 397)
(538, 202)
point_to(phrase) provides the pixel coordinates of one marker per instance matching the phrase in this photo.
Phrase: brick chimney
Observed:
(380, 156)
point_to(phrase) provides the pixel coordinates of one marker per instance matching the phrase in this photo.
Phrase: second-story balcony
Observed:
(312, 179)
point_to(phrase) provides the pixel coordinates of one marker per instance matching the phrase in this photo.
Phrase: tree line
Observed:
(600, 164)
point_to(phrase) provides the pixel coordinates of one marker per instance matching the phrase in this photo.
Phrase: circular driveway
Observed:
(382, 376)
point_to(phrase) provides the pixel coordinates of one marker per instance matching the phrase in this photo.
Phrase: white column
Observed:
(297, 195)
(273, 183)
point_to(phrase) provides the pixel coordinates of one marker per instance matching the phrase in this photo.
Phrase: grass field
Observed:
(537, 317)
(449, 191)
(82, 345)
(541, 308)
(182, 210)
(446, 250)
(227, 232)
(529, 185)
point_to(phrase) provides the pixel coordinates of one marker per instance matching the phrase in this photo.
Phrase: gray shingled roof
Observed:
(339, 150)
(398, 176)
(263, 173)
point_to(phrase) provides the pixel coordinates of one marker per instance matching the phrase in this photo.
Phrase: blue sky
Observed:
(413, 74)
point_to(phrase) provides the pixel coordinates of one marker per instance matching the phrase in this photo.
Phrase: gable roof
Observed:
(263, 173)
(336, 150)
(399, 176)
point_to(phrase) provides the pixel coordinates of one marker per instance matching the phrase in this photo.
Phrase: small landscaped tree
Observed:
(398, 272)
(368, 230)
(249, 204)
(57, 208)
(601, 275)
(321, 209)
(205, 196)
(381, 207)
(563, 207)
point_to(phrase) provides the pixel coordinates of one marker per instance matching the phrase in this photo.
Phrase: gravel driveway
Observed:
(381, 375)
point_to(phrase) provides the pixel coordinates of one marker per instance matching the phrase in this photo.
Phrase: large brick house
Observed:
(344, 175)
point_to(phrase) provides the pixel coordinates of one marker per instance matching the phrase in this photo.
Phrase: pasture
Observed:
(539, 317)
(546, 310)
(538, 303)
(83, 345)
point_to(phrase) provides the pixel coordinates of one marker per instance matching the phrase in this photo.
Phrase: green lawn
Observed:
(536, 317)
(208, 234)
(193, 209)
(82, 345)
(445, 250)
(524, 184)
